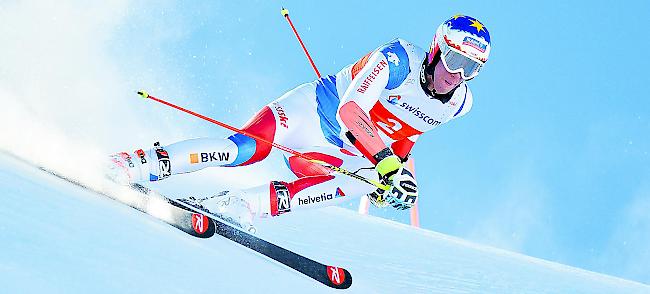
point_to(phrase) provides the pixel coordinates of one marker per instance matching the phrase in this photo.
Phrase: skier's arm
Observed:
(370, 77)
(402, 148)
(367, 84)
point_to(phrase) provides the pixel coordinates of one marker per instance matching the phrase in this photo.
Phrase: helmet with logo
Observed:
(463, 45)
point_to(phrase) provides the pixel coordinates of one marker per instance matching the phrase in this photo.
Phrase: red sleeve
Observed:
(402, 148)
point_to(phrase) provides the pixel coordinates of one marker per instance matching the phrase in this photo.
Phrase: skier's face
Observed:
(444, 81)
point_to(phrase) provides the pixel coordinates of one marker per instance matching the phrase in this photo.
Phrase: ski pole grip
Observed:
(284, 12)
(144, 94)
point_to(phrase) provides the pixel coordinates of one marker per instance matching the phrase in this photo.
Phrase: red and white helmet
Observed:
(464, 45)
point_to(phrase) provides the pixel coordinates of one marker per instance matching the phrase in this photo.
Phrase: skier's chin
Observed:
(444, 88)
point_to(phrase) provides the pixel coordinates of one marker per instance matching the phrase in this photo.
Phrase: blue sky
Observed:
(552, 161)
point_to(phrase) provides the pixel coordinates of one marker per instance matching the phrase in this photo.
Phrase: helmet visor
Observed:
(455, 62)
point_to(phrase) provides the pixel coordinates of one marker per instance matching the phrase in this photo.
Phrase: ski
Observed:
(203, 224)
(332, 276)
(190, 222)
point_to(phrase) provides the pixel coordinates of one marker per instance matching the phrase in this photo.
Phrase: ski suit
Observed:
(385, 84)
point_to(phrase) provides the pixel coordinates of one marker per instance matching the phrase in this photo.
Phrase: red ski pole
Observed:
(285, 13)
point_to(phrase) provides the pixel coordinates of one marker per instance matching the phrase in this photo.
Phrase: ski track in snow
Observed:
(60, 238)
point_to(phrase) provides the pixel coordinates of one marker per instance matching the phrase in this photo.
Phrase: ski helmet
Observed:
(463, 44)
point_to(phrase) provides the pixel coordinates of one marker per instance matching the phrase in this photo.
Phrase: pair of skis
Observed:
(201, 224)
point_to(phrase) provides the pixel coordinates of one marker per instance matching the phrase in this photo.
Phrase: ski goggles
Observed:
(456, 62)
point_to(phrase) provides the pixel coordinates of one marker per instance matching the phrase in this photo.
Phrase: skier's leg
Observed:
(279, 122)
(316, 187)
(191, 155)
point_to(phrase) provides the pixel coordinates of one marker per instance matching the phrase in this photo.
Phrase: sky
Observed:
(552, 161)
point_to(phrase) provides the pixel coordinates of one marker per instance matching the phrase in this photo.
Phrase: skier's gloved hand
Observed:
(388, 166)
(403, 191)
(377, 198)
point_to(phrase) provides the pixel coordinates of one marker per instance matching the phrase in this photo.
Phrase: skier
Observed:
(366, 119)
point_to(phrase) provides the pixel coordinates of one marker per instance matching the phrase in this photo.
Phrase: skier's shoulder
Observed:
(402, 49)
(400, 54)
(406, 45)
(401, 58)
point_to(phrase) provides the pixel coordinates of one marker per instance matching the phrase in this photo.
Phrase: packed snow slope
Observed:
(59, 238)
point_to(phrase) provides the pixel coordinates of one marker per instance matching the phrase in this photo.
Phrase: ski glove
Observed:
(388, 166)
(403, 189)
(377, 198)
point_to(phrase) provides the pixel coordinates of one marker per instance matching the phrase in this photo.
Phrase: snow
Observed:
(60, 238)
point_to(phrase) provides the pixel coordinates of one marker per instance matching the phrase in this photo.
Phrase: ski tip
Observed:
(203, 226)
(284, 12)
(339, 278)
(143, 94)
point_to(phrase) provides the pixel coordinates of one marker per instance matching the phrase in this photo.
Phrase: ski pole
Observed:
(337, 169)
(285, 13)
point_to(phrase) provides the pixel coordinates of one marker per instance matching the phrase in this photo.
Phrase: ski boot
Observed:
(228, 206)
(121, 169)
(140, 166)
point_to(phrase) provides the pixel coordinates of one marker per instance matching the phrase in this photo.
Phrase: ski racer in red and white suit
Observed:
(403, 90)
